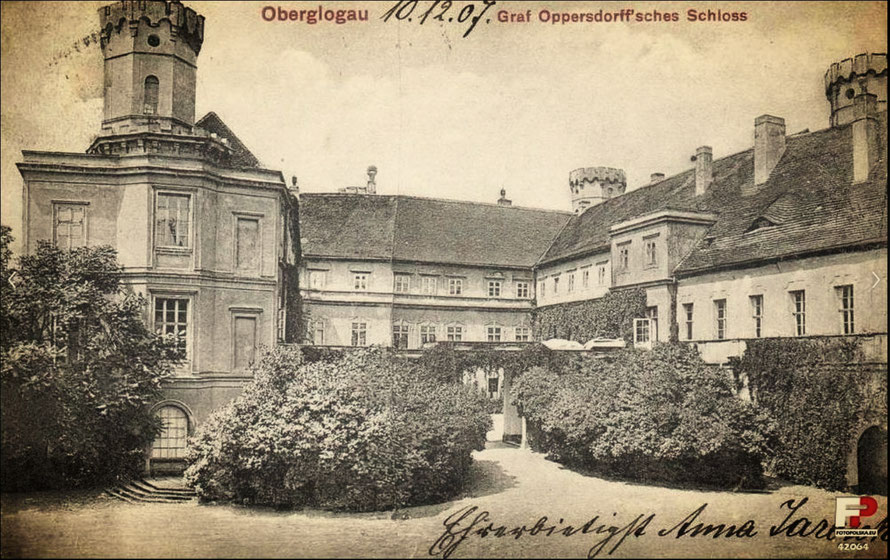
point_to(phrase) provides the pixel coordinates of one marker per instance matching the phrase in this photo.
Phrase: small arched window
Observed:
(171, 442)
(150, 96)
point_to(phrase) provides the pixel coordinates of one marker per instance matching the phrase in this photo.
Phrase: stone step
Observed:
(160, 491)
(167, 487)
(137, 490)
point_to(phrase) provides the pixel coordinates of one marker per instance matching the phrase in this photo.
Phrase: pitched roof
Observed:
(425, 229)
(809, 204)
(241, 156)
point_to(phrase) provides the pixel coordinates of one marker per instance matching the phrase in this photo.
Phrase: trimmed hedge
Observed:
(610, 316)
(362, 431)
(820, 397)
(662, 415)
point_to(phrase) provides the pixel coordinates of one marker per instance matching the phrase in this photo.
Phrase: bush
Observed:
(365, 431)
(79, 370)
(820, 396)
(662, 415)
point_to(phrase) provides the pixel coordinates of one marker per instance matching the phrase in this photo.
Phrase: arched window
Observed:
(171, 442)
(150, 96)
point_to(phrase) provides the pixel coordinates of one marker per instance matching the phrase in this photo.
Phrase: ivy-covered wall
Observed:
(610, 316)
(822, 396)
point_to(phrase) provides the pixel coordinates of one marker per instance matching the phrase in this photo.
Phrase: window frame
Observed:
(360, 281)
(403, 335)
(720, 319)
(651, 242)
(358, 327)
(623, 256)
(190, 333)
(492, 331)
(318, 326)
(428, 331)
(455, 286)
(189, 237)
(688, 312)
(848, 322)
(523, 289)
(401, 283)
(524, 336)
(799, 311)
(756, 301)
(429, 285)
(236, 237)
(495, 288)
(84, 206)
(454, 332)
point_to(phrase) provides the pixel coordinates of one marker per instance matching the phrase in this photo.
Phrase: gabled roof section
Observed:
(241, 156)
(808, 205)
(811, 201)
(405, 228)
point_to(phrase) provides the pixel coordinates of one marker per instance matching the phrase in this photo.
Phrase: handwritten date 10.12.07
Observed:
(439, 10)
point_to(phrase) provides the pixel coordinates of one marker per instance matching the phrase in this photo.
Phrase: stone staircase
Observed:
(167, 490)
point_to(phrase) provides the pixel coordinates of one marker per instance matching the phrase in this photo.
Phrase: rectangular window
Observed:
(402, 283)
(428, 285)
(571, 283)
(493, 386)
(316, 279)
(601, 273)
(720, 318)
(642, 332)
(845, 299)
(455, 333)
(757, 315)
(69, 225)
(624, 256)
(585, 277)
(455, 286)
(427, 333)
(542, 288)
(247, 247)
(360, 282)
(652, 314)
(523, 334)
(359, 333)
(399, 336)
(172, 220)
(799, 311)
(651, 251)
(318, 333)
(687, 312)
(494, 334)
(281, 330)
(245, 342)
(522, 290)
(555, 285)
(494, 288)
(171, 317)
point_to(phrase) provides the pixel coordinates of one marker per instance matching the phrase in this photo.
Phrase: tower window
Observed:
(150, 96)
(154, 40)
(850, 93)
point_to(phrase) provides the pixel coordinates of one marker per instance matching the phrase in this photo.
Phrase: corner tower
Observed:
(845, 80)
(151, 50)
(593, 185)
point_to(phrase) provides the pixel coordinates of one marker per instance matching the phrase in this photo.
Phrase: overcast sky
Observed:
(512, 105)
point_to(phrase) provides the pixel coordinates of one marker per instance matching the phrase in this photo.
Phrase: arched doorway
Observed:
(871, 461)
(171, 442)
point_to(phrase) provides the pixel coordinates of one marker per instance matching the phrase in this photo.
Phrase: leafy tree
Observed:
(79, 369)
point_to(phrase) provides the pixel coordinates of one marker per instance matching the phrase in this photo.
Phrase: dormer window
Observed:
(150, 96)
(760, 223)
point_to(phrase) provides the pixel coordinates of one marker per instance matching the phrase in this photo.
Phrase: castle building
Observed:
(200, 228)
(785, 239)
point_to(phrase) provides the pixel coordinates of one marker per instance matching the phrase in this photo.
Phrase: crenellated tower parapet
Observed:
(592, 185)
(151, 50)
(863, 74)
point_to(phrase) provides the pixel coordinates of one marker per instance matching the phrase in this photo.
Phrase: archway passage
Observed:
(871, 455)
(171, 442)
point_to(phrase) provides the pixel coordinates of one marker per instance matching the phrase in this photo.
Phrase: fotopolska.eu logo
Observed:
(849, 513)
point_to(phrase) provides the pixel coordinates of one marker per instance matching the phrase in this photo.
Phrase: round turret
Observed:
(844, 80)
(593, 185)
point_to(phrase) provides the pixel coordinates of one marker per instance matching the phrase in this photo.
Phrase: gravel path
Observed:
(514, 486)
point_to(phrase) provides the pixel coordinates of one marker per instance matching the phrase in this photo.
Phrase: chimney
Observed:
(372, 185)
(294, 186)
(865, 135)
(656, 178)
(769, 145)
(503, 200)
(704, 172)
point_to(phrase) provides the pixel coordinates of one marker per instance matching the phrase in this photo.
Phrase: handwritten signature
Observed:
(609, 535)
